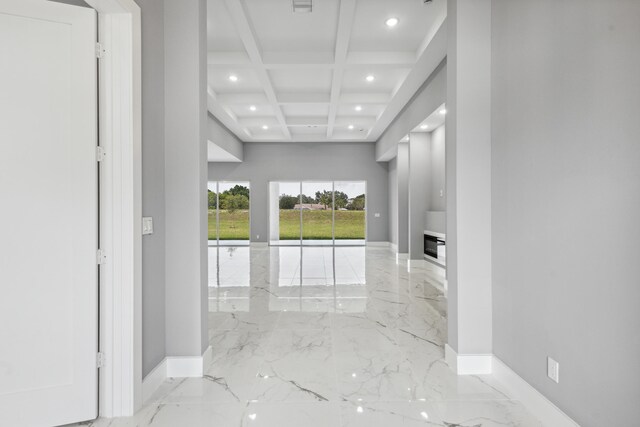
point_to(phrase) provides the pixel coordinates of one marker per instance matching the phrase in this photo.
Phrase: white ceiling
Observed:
(305, 73)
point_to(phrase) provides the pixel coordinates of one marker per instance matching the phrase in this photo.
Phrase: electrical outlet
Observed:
(147, 225)
(553, 370)
(257, 236)
(377, 214)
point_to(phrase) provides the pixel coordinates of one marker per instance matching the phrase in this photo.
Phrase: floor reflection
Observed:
(312, 279)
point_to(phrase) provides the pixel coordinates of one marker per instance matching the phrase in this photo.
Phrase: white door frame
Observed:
(120, 135)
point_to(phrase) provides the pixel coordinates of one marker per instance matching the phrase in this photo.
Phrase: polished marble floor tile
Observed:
(322, 336)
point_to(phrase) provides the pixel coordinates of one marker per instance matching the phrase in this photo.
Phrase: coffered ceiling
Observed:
(338, 73)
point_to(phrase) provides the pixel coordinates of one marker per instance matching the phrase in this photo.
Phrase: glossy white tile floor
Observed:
(326, 337)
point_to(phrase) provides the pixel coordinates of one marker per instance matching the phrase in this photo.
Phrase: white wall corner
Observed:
(468, 364)
(532, 399)
(154, 380)
(189, 366)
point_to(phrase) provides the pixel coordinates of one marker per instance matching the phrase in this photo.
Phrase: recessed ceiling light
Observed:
(253, 108)
(350, 127)
(424, 127)
(265, 127)
(443, 111)
(370, 78)
(391, 22)
(358, 107)
(233, 78)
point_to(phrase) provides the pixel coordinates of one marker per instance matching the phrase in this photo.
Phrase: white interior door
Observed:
(48, 214)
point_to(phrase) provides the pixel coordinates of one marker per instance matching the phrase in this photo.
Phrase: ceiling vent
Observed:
(302, 6)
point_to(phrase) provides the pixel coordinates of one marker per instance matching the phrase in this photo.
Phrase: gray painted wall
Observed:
(153, 199)
(186, 180)
(468, 158)
(403, 198)
(419, 190)
(393, 201)
(282, 161)
(437, 202)
(566, 201)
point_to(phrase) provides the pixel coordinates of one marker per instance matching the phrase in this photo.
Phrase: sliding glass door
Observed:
(350, 224)
(229, 217)
(317, 213)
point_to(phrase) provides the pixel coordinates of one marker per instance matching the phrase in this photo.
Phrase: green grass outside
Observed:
(233, 226)
(317, 225)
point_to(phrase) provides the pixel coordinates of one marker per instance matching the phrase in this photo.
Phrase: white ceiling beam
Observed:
(248, 36)
(365, 98)
(303, 98)
(298, 59)
(257, 122)
(429, 60)
(357, 121)
(224, 114)
(228, 58)
(339, 137)
(381, 59)
(307, 121)
(242, 98)
(325, 60)
(343, 36)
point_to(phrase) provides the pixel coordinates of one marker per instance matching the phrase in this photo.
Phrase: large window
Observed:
(317, 213)
(229, 217)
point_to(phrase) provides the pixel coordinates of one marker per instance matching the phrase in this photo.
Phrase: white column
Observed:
(274, 211)
(403, 198)
(468, 149)
(186, 177)
(419, 190)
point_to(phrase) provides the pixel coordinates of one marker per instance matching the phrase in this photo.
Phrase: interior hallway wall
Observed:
(438, 196)
(185, 68)
(566, 201)
(153, 199)
(419, 190)
(393, 202)
(286, 161)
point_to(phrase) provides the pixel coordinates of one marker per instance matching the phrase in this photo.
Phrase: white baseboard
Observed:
(154, 380)
(259, 244)
(188, 366)
(468, 364)
(479, 364)
(175, 367)
(548, 413)
(393, 247)
(378, 244)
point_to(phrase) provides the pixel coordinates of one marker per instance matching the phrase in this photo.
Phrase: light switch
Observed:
(147, 225)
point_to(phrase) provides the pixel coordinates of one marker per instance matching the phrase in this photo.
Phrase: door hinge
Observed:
(100, 360)
(101, 257)
(100, 154)
(100, 51)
